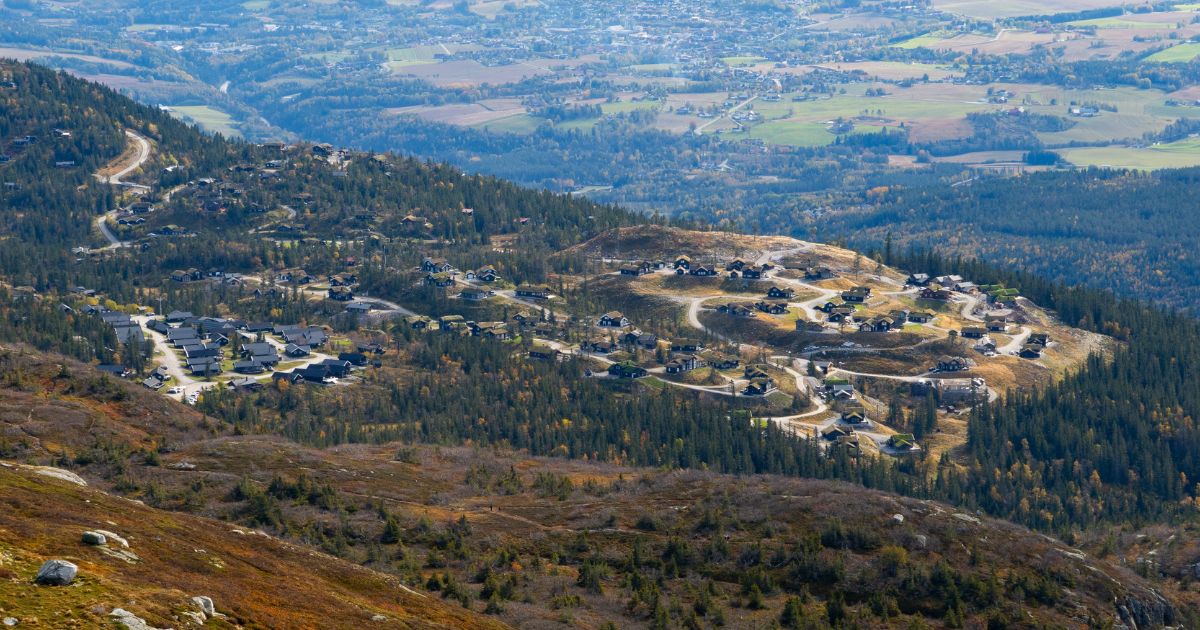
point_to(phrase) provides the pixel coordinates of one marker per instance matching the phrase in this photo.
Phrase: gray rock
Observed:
(94, 538)
(56, 573)
(205, 604)
(130, 620)
(10, 621)
(112, 537)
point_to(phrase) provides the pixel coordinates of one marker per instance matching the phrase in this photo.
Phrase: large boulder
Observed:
(56, 573)
(205, 604)
(94, 538)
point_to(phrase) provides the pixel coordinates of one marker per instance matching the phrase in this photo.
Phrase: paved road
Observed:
(116, 179)
(1019, 340)
(727, 114)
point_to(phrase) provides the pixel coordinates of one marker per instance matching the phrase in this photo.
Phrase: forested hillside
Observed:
(1133, 232)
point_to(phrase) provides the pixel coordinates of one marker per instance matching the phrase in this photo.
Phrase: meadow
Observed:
(210, 118)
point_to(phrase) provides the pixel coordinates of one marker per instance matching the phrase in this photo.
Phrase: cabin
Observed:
(337, 367)
(543, 353)
(752, 372)
(997, 326)
(436, 265)
(496, 331)
(417, 322)
(341, 294)
(948, 281)
(776, 293)
(475, 294)
(249, 367)
(920, 317)
(935, 293)
(486, 274)
(903, 442)
(685, 363)
(753, 273)
(899, 317)
(818, 273)
(683, 262)
(973, 332)
(440, 279)
(960, 390)
(772, 308)
(612, 319)
(953, 364)
(1030, 351)
(1041, 339)
(297, 276)
(856, 295)
(737, 264)
(634, 270)
(877, 325)
(297, 351)
(626, 369)
(841, 315)
(724, 362)
(856, 418)
(918, 279)
(599, 346)
(686, 345)
(533, 292)
(736, 310)
(837, 433)
(703, 271)
(759, 387)
(205, 366)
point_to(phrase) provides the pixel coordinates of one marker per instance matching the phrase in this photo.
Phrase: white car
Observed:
(175, 390)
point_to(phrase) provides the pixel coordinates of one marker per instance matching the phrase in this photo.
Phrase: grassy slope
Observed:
(256, 580)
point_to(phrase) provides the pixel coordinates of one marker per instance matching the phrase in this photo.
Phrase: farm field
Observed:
(1184, 153)
(519, 124)
(1181, 53)
(889, 70)
(469, 72)
(210, 118)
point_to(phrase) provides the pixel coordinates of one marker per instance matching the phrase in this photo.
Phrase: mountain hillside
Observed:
(539, 524)
(154, 563)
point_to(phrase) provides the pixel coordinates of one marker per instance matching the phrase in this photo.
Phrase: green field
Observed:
(1182, 53)
(422, 55)
(1181, 154)
(653, 67)
(520, 124)
(928, 39)
(628, 106)
(1116, 22)
(209, 118)
(792, 133)
(256, 5)
(743, 60)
